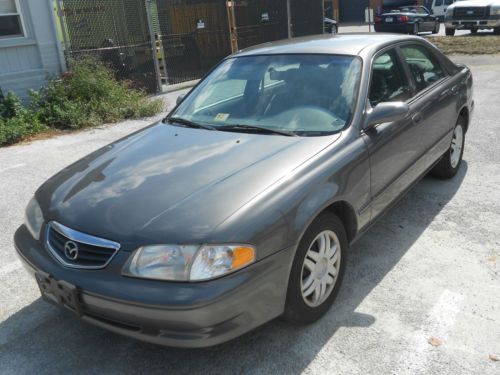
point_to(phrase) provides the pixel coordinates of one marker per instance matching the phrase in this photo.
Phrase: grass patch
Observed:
(87, 96)
(468, 44)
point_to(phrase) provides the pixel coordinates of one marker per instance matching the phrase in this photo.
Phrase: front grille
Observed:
(79, 250)
(472, 12)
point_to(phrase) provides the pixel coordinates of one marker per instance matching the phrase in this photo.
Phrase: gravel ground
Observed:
(427, 273)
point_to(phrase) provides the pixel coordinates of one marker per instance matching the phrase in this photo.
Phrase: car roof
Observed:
(341, 44)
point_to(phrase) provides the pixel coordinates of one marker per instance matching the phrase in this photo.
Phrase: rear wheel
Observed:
(449, 164)
(333, 29)
(317, 270)
(450, 32)
(437, 26)
(473, 31)
(496, 31)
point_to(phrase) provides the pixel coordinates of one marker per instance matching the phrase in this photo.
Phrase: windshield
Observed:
(305, 95)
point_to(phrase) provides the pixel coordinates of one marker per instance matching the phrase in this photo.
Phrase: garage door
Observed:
(353, 10)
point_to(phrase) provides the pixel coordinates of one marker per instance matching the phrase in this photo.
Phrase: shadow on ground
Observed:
(58, 342)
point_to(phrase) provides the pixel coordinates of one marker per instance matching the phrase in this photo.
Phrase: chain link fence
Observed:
(115, 32)
(154, 43)
(260, 21)
(194, 36)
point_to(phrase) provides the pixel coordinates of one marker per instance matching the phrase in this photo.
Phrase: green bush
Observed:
(89, 95)
(16, 120)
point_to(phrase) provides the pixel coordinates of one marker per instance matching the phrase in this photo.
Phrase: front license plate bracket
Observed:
(59, 292)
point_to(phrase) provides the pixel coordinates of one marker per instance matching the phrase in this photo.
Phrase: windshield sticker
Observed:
(221, 117)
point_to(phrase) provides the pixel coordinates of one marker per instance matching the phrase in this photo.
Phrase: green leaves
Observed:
(88, 95)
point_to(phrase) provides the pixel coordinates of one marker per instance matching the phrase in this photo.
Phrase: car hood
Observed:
(475, 3)
(170, 184)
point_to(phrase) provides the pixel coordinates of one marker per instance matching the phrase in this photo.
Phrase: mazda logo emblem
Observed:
(71, 250)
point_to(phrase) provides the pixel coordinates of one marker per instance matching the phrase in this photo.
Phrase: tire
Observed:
(496, 31)
(450, 163)
(436, 28)
(450, 32)
(334, 29)
(473, 31)
(416, 29)
(302, 306)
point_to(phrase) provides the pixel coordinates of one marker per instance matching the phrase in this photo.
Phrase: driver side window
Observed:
(388, 82)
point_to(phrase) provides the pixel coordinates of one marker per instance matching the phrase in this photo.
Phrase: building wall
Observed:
(26, 62)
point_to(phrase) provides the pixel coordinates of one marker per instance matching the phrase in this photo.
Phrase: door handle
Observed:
(417, 118)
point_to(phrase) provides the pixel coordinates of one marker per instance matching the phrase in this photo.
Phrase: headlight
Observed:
(34, 218)
(188, 263)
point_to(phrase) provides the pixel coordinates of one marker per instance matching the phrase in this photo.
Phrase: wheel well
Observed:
(464, 113)
(347, 215)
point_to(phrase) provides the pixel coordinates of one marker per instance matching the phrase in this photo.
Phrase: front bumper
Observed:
(189, 315)
(472, 24)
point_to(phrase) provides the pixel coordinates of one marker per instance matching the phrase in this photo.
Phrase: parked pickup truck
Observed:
(473, 15)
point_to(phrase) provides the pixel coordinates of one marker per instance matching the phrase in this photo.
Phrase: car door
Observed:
(427, 22)
(434, 104)
(394, 146)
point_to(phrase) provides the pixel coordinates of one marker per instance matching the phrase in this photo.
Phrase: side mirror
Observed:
(386, 112)
(180, 98)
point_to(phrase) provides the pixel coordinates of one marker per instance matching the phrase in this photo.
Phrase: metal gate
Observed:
(260, 21)
(113, 31)
(353, 10)
(156, 42)
(194, 35)
(306, 17)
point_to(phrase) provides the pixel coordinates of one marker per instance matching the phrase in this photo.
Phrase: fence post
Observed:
(289, 18)
(233, 33)
(60, 16)
(147, 4)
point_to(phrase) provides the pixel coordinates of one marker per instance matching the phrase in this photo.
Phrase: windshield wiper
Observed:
(189, 124)
(256, 129)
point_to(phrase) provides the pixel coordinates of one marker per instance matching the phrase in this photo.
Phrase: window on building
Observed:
(10, 19)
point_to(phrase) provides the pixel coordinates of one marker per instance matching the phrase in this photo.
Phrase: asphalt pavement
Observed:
(421, 293)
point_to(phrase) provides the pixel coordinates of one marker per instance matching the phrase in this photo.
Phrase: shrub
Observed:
(87, 96)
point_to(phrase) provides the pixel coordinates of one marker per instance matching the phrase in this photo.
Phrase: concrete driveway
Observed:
(421, 293)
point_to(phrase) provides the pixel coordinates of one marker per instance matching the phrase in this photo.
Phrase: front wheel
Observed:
(449, 164)
(449, 32)
(473, 31)
(333, 29)
(496, 31)
(317, 270)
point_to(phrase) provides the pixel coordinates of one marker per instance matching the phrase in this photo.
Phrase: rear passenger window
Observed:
(388, 83)
(424, 67)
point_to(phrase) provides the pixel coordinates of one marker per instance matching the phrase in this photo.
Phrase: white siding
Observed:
(25, 63)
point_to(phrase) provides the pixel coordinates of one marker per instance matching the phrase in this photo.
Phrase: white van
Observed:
(439, 7)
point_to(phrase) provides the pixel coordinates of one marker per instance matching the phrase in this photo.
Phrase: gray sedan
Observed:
(241, 205)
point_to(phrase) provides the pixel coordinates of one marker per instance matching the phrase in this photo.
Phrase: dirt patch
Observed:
(468, 44)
